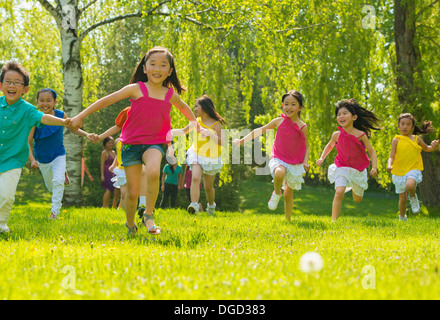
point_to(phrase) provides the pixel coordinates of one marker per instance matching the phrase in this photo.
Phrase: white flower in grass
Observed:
(311, 262)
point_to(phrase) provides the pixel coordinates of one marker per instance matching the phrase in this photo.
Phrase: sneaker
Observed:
(66, 179)
(273, 202)
(141, 210)
(193, 208)
(415, 205)
(210, 209)
(53, 216)
(403, 218)
(4, 229)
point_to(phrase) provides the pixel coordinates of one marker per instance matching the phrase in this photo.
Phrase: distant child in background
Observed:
(405, 161)
(171, 184)
(17, 117)
(119, 180)
(147, 127)
(290, 153)
(186, 184)
(204, 156)
(107, 157)
(50, 155)
(349, 172)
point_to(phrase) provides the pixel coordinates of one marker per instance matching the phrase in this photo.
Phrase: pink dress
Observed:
(148, 120)
(290, 143)
(351, 152)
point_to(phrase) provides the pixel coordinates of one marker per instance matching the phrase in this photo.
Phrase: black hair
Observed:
(208, 106)
(15, 66)
(107, 139)
(366, 120)
(172, 80)
(426, 125)
(54, 94)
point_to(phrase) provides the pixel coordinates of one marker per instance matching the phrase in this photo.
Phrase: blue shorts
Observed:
(132, 153)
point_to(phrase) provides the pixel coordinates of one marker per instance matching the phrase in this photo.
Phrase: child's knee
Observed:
(357, 199)
(279, 172)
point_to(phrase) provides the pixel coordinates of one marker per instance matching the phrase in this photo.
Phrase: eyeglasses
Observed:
(16, 84)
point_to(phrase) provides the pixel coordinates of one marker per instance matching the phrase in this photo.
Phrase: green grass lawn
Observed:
(248, 254)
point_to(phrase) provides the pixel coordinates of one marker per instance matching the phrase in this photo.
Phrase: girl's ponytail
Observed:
(138, 73)
(208, 106)
(426, 125)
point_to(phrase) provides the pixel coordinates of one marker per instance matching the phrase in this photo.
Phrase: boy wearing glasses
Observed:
(17, 117)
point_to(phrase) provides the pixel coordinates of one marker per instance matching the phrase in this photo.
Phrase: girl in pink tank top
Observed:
(349, 172)
(153, 88)
(290, 153)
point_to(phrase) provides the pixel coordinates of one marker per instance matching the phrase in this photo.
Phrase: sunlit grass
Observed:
(252, 254)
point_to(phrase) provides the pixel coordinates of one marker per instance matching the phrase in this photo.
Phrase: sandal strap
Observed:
(132, 230)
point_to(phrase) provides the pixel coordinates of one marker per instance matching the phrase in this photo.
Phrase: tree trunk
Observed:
(72, 100)
(409, 84)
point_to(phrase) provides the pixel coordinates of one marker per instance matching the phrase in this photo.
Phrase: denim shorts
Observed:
(132, 153)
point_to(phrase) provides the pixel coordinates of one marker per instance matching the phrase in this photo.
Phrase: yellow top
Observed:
(206, 147)
(408, 156)
(118, 154)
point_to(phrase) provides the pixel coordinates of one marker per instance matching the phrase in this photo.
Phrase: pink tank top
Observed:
(290, 143)
(351, 152)
(148, 120)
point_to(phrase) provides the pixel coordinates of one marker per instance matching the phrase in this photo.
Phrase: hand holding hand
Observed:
(34, 164)
(76, 123)
(237, 142)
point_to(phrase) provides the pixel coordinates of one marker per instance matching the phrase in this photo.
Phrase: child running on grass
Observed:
(405, 161)
(204, 156)
(349, 172)
(50, 155)
(290, 153)
(147, 127)
(17, 117)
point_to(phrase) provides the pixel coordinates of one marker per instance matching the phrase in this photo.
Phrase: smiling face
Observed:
(13, 86)
(46, 102)
(406, 126)
(158, 68)
(345, 118)
(291, 106)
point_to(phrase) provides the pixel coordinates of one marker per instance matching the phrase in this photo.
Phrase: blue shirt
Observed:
(48, 141)
(16, 122)
(172, 178)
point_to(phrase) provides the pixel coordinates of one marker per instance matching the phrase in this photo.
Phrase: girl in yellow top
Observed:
(204, 156)
(405, 161)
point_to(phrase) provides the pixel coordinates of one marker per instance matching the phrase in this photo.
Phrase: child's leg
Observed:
(144, 182)
(173, 195)
(116, 194)
(152, 159)
(288, 201)
(132, 174)
(196, 178)
(209, 189)
(410, 185)
(356, 198)
(278, 178)
(123, 195)
(402, 203)
(166, 195)
(337, 202)
(46, 172)
(106, 198)
(58, 178)
(8, 186)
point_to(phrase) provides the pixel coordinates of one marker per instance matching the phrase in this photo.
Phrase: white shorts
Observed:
(400, 181)
(210, 166)
(294, 173)
(348, 177)
(119, 179)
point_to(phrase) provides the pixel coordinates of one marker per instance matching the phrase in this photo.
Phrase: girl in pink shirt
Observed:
(349, 172)
(152, 92)
(290, 153)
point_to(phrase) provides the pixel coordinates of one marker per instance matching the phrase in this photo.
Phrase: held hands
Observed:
(237, 142)
(66, 122)
(373, 172)
(435, 144)
(76, 123)
(93, 137)
(389, 168)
